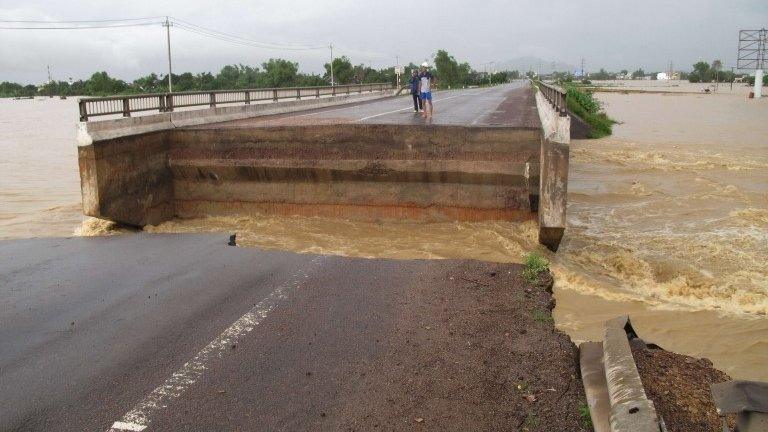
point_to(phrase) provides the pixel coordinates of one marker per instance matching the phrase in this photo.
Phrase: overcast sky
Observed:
(611, 34)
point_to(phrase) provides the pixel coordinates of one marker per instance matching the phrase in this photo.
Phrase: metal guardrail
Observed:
(167, 102)
(557, 96)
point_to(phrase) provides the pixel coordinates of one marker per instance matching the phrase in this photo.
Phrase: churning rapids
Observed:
(668, 220)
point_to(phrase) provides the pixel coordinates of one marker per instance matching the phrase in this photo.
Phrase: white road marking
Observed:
(128, 426)
(477, 119)
(436, 100)
(138, 418)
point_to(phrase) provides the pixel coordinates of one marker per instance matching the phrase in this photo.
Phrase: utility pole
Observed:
(167, 25)
(397, 67)
(582, 69)
(490, 74)
(332, 81)
(50, 81)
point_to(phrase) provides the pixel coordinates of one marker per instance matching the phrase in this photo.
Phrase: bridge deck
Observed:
(509, 105)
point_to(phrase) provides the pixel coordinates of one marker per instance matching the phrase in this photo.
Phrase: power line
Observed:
(136, 22)
(81, 27)
(243, 39)
(78, 21)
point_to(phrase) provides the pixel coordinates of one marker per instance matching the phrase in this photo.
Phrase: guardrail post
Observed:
(169, 106)
(317, 93)
(333, 90)
(564, 106)
(247, 97)
(126, 107)
(213, 100)
(83, 111)
(274, 95)
(298, 94)
(161, 103)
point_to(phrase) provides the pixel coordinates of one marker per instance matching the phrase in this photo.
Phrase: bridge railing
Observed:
(557, 96)
(167, 102)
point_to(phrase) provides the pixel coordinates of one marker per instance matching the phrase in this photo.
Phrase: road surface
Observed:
(174, 333)
(507, 105)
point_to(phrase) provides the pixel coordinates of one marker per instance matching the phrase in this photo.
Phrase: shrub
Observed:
(535, 264)
(588, 108)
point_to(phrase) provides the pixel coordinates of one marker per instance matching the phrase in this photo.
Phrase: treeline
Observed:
(702, 72)
(275, 72)
(451, 74)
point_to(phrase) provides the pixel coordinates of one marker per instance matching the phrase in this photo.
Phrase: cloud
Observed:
(609, 34)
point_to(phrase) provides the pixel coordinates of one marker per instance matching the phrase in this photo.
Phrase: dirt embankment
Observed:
(475, 348)
(679, 387)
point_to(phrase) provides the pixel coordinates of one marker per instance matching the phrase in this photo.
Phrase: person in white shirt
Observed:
(426, 80)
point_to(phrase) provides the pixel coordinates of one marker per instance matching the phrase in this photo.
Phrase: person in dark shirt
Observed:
(417, 106)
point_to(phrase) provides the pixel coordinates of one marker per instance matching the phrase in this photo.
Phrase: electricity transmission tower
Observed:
(753, 54)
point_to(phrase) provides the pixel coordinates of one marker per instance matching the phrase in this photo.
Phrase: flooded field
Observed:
(668, 220)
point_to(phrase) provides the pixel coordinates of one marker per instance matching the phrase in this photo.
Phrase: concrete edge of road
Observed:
(90, 132)
(615, 394)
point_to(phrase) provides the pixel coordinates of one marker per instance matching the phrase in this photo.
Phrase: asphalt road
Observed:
(508, 105)
(182, 332)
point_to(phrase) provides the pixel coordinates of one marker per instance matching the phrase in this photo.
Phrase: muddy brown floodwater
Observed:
(668, 220)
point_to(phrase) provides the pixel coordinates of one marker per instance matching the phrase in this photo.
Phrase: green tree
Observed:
(250, 77)
(227, 77)
(206, 81)
(702, 72)
(149, 84)
(343, 72)
(9, 89)
(640, 73)
(464, 74)
(602, 74)
(279, 73)
(100, 83)
(304, 80)
(447, 69)
(184, 82)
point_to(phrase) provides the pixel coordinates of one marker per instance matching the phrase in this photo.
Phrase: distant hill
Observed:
(536, 64)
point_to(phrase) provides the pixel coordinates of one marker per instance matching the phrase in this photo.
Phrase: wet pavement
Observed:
(168, 332)
(508, 105)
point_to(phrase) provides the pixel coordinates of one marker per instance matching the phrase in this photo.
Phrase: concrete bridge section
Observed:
(481, 157)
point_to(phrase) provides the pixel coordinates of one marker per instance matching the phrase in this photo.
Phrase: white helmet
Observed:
(425, 64)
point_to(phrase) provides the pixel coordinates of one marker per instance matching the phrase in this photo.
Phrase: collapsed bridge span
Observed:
(479, 159)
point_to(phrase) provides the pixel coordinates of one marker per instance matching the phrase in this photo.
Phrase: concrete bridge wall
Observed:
(553, 171)
(355, 171)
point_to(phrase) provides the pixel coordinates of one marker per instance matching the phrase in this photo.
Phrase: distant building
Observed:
(662, 76)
